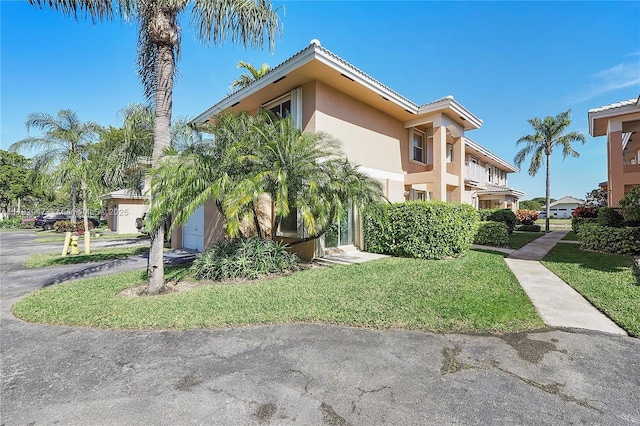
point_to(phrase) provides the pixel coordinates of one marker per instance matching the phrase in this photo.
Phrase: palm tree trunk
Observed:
(161, 141)
(74, 196)
(548, 193)
(85, 215)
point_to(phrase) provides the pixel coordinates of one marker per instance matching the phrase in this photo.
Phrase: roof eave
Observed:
(510, 167)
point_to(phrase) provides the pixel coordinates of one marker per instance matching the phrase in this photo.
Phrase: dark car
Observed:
(46, 222)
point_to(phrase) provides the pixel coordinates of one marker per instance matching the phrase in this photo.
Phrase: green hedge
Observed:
(421, 229)
(608, 216)
(492, 234)
(607, 239)
(577, 222)
(505, 216)
(11, 223)
(529, 228)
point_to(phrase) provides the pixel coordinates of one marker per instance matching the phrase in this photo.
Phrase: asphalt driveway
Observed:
(303, 373)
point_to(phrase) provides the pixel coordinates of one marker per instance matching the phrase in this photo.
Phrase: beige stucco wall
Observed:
(122, 214)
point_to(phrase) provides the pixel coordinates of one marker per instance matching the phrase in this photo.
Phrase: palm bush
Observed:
(243, 258)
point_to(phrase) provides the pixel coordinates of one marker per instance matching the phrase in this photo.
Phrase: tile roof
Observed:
(628, 102)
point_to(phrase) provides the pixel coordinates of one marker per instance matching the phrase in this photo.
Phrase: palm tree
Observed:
(250, 76)
(549, 133)
(63, 146)
(254, 156)
(247, 22)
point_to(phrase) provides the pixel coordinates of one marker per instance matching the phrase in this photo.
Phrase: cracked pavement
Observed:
(307, 374)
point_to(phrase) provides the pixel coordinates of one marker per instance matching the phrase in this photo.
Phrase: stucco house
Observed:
(417, 152)
(123, 207)
(563, 207)
(620, 123)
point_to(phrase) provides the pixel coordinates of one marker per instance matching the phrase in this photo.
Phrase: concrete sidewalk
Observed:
(558, 304)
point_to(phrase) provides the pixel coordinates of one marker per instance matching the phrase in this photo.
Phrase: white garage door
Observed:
(193, 231)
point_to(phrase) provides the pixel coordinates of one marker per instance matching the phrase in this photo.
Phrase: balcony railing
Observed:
(475, 174)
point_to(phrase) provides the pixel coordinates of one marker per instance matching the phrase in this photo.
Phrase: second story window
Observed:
(418, 147)
(289, 104)
(449, 153)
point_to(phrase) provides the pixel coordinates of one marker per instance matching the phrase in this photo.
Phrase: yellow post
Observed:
(67, 240)
(87, 243)
(74, 245)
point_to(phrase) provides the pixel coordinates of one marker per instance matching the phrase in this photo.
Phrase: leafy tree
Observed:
(254, 156)
(14, 178)
(247, 22)
(630, 205)
(548, 134)
(542, 200)
(252, 74)
(530, 205)
(63, 147)
(596, 198)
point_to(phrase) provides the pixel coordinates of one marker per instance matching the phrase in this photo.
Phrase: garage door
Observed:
(193, 231)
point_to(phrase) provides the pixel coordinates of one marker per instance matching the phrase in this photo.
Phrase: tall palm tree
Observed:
(63, 146)
(252, 74)
(549, 133)
(247, 22)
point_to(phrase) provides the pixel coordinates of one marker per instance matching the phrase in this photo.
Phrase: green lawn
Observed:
(571, 236)
(519, 238)
(555, 223)
(609, 282)
(40, 260)
(54, 237)
(476, 293)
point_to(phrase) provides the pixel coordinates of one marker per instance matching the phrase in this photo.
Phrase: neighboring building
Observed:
(417, 152)
(123, 207)
(620, 122)
(563, 207)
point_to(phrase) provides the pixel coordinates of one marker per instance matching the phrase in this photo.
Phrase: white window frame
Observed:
(295, 96)
(412, 133)
(450, 153)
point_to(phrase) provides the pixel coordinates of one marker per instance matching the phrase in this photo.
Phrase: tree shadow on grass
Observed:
(604, 262)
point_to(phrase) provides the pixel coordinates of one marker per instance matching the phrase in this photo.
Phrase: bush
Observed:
(526, 217)
(630, 205)
(28, 223)
(577, 222)
(68, 226)
(585, 211)
(606, 239)
(529, 228)
(243, 258)
(506, 216)
(492, 234)
(421, 229)
(608, 216)
(11, 223)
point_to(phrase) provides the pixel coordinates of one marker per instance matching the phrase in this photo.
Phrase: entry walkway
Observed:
(558, 304)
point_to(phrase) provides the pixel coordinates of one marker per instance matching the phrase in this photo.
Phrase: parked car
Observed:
(47, 221)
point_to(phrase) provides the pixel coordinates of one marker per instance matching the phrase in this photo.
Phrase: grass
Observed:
(571, 236)
(54, 237)
(520, 238)
(555, 223)
(475, 293)
(610, 282)
(41, 260)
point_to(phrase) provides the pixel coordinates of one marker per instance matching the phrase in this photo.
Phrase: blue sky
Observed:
(504, 61)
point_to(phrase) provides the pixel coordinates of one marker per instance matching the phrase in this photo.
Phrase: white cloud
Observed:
(621, 76)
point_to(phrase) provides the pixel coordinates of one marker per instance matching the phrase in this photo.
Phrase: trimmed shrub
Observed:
(607, 239)
(11, 223)
(577, 222)
(526, 217)
(422, 229)
(608, 216)
(28, 223)
(630, 205)
(585, 211)
(68, 226)
(529, 228)
(505, 216)
(243, 258)
(492, 234)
